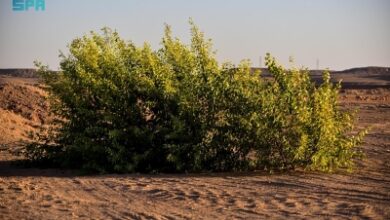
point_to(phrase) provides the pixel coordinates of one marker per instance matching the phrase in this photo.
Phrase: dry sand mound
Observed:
(59, 194)
(23, 109)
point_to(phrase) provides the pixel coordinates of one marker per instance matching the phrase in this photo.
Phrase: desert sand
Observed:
(30, 193)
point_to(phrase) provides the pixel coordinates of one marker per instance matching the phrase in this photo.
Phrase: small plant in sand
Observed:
(123, 108)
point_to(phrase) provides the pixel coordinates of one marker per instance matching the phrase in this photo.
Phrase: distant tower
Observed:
(261, 62)
(291, 59)
(318, 64)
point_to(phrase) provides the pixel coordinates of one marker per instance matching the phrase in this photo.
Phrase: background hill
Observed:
(26, 73)
(362, 77)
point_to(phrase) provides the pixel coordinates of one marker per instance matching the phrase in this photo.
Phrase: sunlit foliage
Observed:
(124, 108)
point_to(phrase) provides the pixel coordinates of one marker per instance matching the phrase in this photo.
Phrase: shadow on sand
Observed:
(17, 168)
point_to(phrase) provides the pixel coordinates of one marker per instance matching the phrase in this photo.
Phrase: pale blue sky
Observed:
(340, 33)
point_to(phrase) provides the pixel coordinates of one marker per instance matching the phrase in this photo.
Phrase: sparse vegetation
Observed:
(125, 108)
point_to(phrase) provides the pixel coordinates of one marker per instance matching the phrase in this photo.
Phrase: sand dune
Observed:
(222, 196)
(60, 194)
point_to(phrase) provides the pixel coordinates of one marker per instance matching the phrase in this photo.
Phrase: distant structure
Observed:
(318, 64)
(261, 62)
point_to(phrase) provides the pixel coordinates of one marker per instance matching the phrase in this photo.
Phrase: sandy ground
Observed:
(58, 194)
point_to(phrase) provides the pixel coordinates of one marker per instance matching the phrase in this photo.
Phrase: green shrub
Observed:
(125, 108)
(303, 124)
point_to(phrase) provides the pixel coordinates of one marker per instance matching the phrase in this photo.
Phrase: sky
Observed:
(339, 34)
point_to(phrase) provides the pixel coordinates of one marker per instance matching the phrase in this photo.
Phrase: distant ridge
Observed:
(369, 70)
(366, 70)
(25, 73)
(358, 78)
(361, 77)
